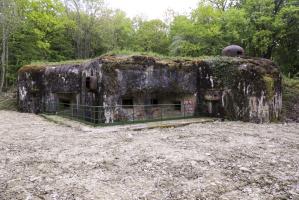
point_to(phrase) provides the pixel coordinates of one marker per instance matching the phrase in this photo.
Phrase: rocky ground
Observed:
(229, 160)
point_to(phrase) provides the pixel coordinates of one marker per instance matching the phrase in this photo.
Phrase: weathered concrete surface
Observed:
(231, 160)
(247, 89)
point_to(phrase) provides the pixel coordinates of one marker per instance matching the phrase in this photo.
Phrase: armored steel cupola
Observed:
(233, 51)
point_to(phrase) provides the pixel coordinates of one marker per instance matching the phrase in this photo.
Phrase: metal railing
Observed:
(121, 114)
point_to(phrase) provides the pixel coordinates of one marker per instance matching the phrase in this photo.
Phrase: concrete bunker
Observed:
(134, 88)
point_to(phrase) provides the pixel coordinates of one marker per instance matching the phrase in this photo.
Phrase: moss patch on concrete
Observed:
(269, 83)
(40, 65)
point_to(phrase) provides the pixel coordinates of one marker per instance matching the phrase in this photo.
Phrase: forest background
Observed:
(59, 30)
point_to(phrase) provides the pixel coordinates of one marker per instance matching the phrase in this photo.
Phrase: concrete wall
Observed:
(246, 89)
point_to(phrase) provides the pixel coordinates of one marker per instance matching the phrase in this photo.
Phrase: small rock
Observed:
(244, 169)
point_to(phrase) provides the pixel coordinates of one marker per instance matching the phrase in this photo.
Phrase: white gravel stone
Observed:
(43, 160)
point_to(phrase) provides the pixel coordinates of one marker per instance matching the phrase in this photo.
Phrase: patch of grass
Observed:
(290, 91)
(42, 63)
(290, 97)
(8, 102)
(54, 119)
(152, 54)
(39, 65)
(291, 83)
(131, 53)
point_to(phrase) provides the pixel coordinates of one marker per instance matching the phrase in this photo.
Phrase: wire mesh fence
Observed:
(121, 114)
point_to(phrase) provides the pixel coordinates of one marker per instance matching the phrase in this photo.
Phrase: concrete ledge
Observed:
(134, 127)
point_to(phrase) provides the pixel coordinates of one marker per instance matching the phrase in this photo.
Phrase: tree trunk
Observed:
(268, 53)
(6, 66)
(3, 67)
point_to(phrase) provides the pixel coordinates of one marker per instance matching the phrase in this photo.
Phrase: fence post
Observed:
(133, 114)
(82, 113)
(184, 109)
(64, 110)
(55, 107)
(72, 109)
(93, 115)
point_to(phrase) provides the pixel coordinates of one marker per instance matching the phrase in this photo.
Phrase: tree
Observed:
(9, 20)
(272, 30)
(184, 37)
(286, 51)
(234, 25)
(55, 30)
(117, 31)
(85, 14)
(42, 36)
(199, 35)
(223, 4)
(152, 36)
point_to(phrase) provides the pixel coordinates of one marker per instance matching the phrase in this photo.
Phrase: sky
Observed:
(152, 9)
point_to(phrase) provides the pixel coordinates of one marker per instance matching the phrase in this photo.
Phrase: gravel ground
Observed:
(229, 160)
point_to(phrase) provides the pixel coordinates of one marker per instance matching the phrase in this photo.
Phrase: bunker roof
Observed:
(137, 60)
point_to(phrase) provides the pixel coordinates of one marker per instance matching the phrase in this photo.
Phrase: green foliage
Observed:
(199, 35)
(42, 35)
(207, 31)
(153, 54)
(55, 30)
(290, 97)
(133, 53)
(291, 83)
(286, 53)
(184, 38)
(8, 102)
(152, 36)
(225, 70)
(290, 92)
(117, 31)
(273, 31)
(233, 27)
(64, 62)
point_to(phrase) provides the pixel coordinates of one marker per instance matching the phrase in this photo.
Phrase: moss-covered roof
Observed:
(132, 60)
(40, 66)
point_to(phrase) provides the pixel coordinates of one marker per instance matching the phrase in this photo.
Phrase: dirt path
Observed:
(231, 160)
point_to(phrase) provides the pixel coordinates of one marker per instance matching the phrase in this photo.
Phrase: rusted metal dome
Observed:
(233, 51)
